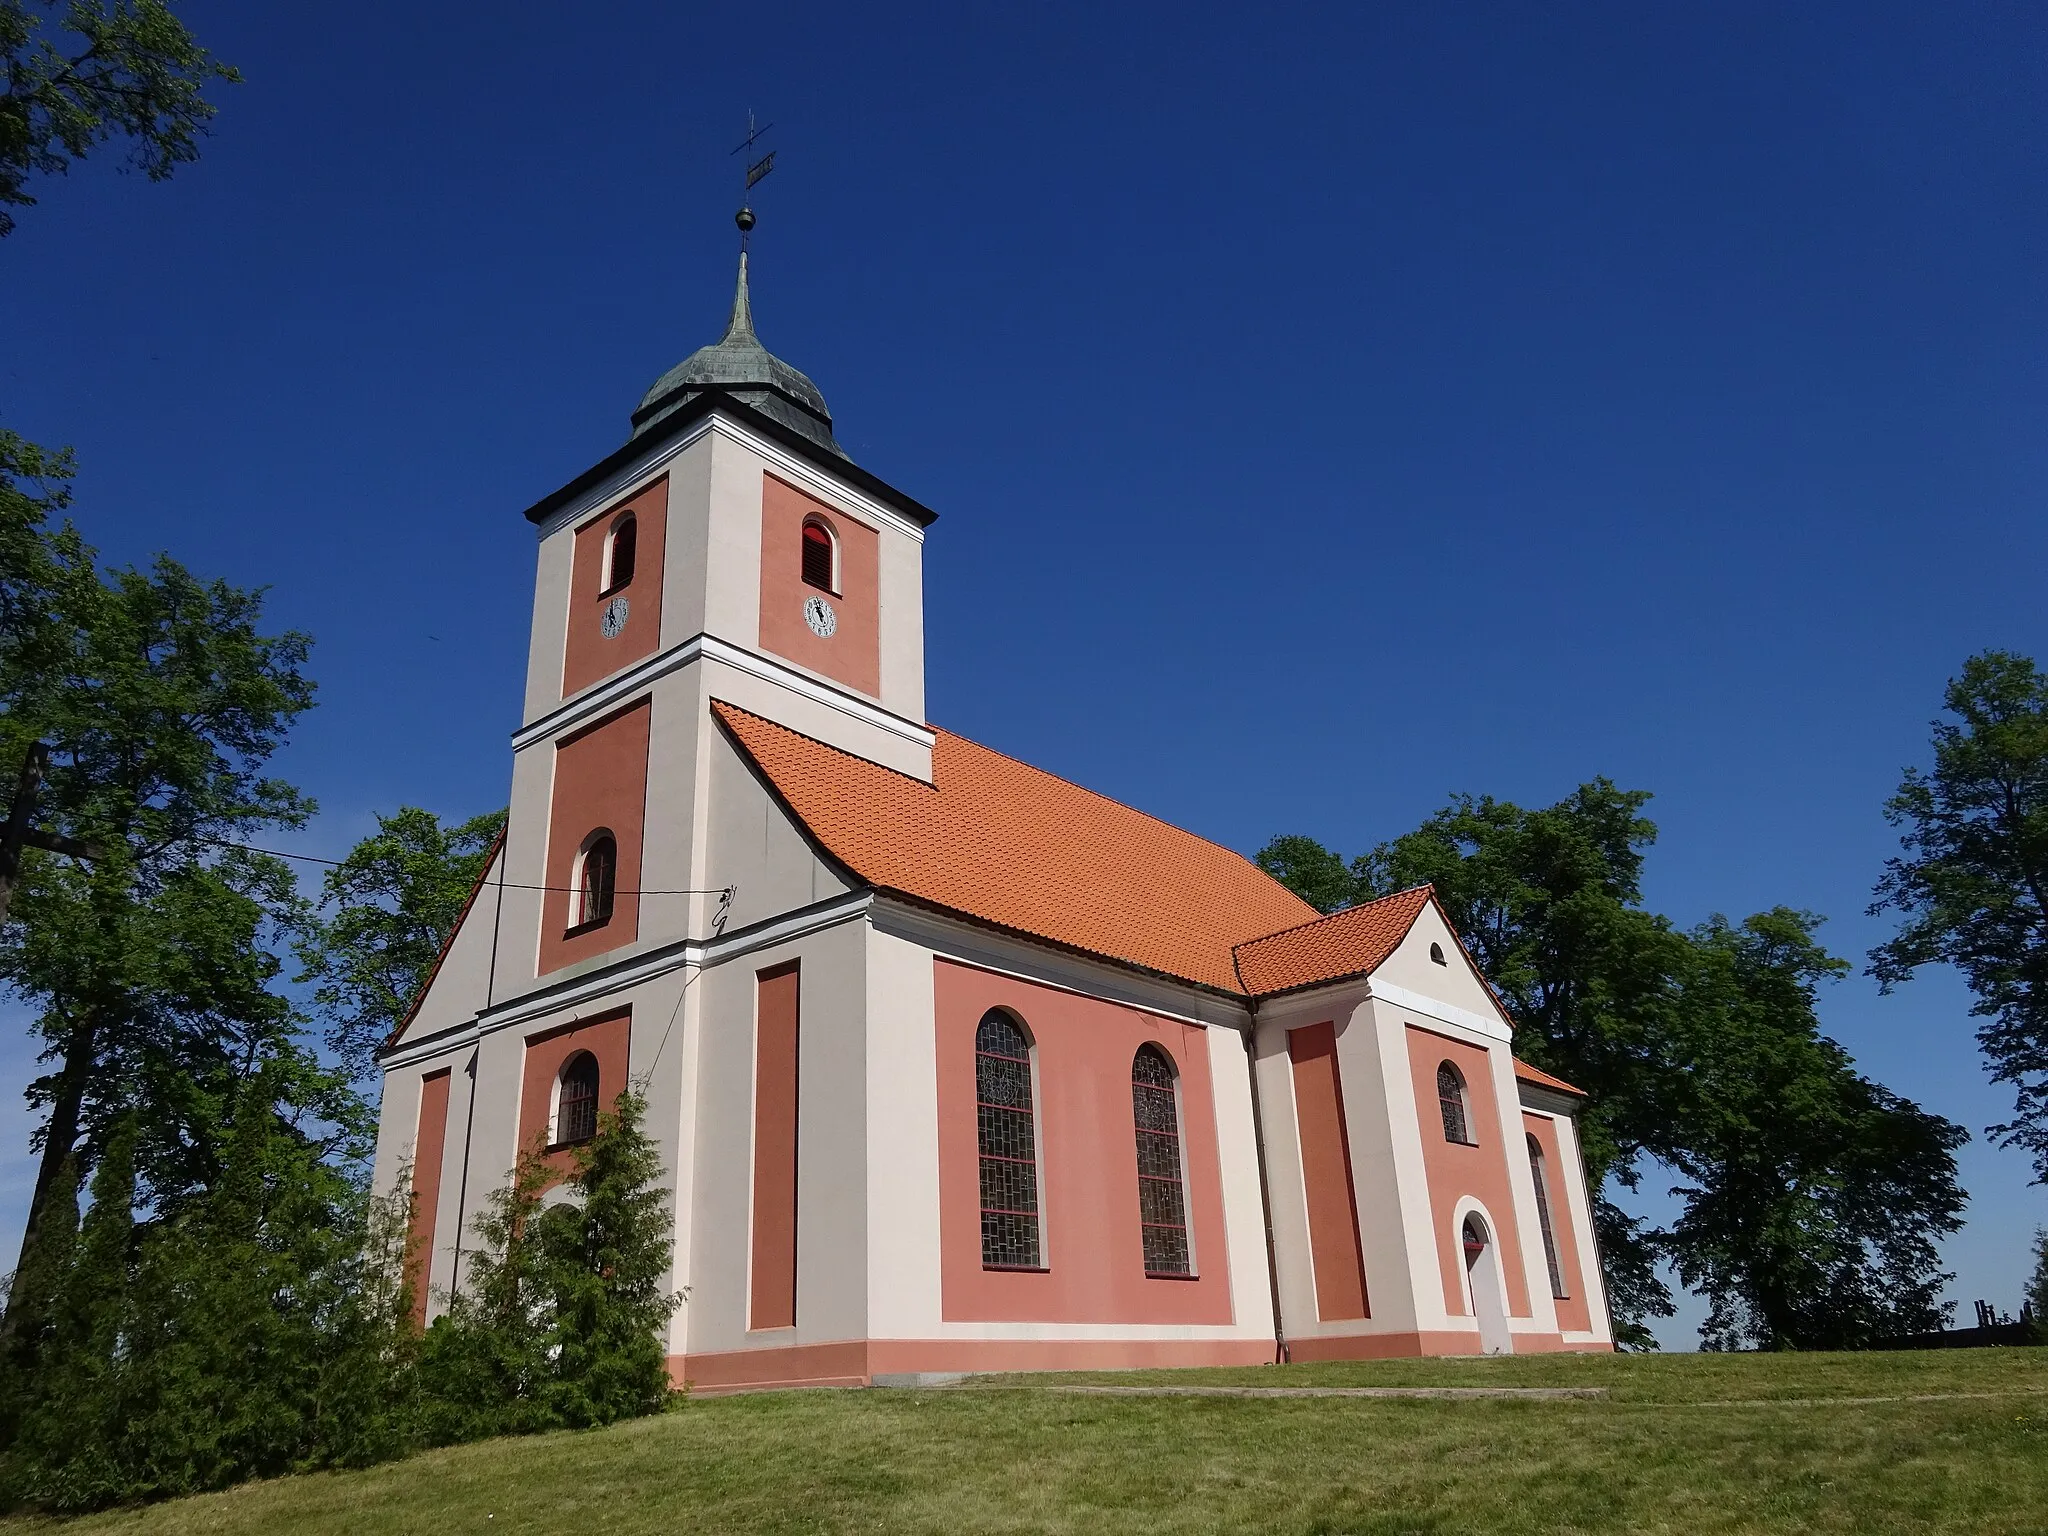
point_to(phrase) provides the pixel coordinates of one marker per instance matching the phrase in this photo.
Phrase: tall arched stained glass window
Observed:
(1008, 1139)
(1543, 1217)
(1162, 1195)
(1450, 1093)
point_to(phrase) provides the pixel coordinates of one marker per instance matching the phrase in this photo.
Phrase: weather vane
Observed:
(756, 170)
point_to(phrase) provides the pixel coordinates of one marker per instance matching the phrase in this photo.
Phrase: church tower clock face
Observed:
(613, 619)
(819, 615)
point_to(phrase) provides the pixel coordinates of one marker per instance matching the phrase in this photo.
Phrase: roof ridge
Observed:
(1409, 890)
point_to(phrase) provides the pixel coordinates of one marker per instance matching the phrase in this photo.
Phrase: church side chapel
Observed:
(954, 1065)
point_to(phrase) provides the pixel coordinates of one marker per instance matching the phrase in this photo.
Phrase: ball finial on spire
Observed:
(745, 219)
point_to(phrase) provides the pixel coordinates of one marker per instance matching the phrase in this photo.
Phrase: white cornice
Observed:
(989, 949)
(611, 977)
(1492, 1028)
(788, 465)
(588, 706)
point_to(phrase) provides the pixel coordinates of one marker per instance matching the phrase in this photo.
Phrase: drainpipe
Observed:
(1280, 1354)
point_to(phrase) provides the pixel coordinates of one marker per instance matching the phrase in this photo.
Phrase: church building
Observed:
(953, 1065)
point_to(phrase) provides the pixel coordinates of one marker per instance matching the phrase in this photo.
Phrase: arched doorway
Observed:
(1482, 1274)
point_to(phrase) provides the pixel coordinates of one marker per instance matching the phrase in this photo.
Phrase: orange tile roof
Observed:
(1015, 846)
(1529, 1074)
(1349, 943)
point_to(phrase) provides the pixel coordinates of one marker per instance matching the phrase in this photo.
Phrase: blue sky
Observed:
(1326, 410)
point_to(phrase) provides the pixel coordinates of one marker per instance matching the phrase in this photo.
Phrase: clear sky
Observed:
(1326, 410)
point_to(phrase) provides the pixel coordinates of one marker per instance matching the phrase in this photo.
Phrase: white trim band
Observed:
(567, 716)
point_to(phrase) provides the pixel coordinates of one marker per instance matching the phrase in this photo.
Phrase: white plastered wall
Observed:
(1450, 999)
(831, 1245)
(1572, 1180)
(903, 1279)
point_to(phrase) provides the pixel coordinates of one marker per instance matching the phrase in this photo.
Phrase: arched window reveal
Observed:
(1543, 1218)
(1450, 1093)
(576, 1110)
(819, 556)
(596, 879)
(1008, 1139)
(1162, 1196)
(620, 554)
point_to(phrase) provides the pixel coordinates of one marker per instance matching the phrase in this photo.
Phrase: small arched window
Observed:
(1436, 953)
(1162, 1192)
(1450, 1093)
(597, 874)
(821, 556)
(1536, 1172)
(1007, 1135)
(576, 1109)
(620, 552)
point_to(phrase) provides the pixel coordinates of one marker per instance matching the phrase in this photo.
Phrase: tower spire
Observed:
(741, 326)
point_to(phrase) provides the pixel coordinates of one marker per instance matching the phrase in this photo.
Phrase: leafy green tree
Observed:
(162, 700)
(85, 72)
(559, 1321)
(387, 910)
(2037, 1286)
(1315, 874)
(607, 1252)
(1972, 886)
(1813, 1196)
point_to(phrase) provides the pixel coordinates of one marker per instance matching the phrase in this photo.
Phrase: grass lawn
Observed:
(1954, 1440)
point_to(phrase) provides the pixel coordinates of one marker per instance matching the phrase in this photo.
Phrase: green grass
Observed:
(1682, 1443)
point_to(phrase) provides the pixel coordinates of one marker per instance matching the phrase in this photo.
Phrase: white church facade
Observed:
(954, 1066)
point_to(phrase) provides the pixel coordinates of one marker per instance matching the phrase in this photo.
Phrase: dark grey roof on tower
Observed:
(738, 365)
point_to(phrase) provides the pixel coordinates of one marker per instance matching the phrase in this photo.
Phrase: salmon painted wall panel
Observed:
(1090, 1246)
(1456, 1171)
(607, 1037)
(600, 782)
(852, 653)
(588, 653)
(1337, 1258)
(427, 1148)
(772, 1278)
(1573, 1315)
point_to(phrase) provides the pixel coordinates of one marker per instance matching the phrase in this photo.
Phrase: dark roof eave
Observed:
(713, 398)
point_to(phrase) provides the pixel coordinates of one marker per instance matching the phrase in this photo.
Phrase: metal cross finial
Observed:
(756, 170)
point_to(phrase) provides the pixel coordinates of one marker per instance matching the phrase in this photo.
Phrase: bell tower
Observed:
(729, 550)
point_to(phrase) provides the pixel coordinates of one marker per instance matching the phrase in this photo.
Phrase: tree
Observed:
(1814, 1195)
(1315, 874)
(559, 1324)
(608, 1251)
(1972, 886)
(162, 701)
(94, 71)
(388, 908)
(2037, 1286)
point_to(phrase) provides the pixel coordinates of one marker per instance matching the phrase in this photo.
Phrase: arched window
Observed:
(1162, 1196)
(619, 553)
(597, 874)
(1008, 1137)
(1450, 1093)
(821, 556)
(576, 1109)
(1543, 1218)
(1436, 953)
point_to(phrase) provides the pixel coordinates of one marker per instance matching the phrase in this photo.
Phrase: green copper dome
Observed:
(738, 365)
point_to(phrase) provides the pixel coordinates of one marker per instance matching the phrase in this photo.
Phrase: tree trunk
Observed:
(61, 1137)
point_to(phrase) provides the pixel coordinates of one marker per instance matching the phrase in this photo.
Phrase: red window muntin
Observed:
(1006, 1133)
(1162, 1193)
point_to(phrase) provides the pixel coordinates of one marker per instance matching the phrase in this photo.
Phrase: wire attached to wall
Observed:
(724, 891)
